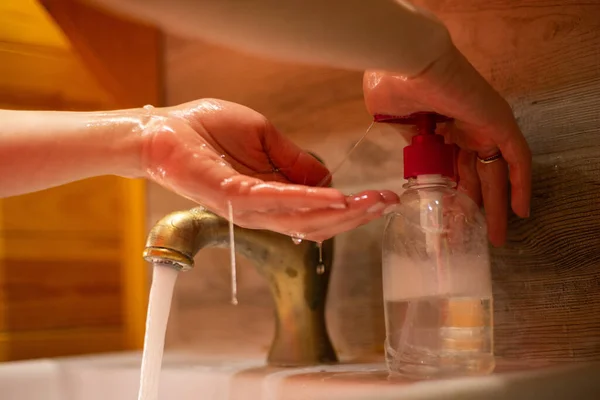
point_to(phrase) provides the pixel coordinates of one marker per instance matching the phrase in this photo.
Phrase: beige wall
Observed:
(544, 56)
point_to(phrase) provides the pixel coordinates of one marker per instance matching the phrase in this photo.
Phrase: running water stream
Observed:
(159, 307)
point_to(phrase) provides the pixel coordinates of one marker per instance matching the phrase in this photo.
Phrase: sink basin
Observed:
(187, 377)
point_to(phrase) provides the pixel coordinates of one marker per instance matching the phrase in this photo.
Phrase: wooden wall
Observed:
(71, 276)
(544, 56)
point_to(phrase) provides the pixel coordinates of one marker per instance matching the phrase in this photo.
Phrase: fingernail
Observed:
(339, 206)
(389, 196)
(360, 198)
(390, 209)
(375, 208)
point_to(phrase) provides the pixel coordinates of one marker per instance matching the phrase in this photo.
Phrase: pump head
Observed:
(427, 154)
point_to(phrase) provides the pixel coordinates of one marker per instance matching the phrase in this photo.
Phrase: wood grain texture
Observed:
(24, 21)
(29, 39)
(544, 57)
(49, 245)
(68, 342)
(93, 206)
(113, 49)
(62, 83)
(56, 294)
(547, 278)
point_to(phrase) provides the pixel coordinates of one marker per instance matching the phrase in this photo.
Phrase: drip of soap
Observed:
(320, 266)
(346, 157)
(234, 299)
(320, 247)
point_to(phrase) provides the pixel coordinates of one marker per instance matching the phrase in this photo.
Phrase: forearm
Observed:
(348, 34)
(39, 149)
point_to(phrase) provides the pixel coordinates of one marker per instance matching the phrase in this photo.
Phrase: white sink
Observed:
(187, 377)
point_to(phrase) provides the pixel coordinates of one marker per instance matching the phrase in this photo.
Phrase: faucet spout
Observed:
(298, 277)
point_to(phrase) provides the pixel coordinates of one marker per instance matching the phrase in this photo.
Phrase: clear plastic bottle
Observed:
(436, 270)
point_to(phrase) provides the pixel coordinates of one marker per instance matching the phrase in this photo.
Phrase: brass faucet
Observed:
(297, 280)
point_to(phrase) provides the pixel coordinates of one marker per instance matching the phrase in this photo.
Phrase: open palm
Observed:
(216, 153)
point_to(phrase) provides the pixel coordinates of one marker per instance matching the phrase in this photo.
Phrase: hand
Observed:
(483, 126)
(215, 153)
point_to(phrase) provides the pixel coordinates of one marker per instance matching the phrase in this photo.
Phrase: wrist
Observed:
(123, 131)
(43, 149)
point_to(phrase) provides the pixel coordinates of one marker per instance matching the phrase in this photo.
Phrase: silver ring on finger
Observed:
(490, 159)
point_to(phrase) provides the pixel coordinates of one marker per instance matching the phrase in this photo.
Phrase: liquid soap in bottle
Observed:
(436, 269)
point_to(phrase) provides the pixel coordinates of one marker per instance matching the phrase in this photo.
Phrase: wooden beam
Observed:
(125, 56)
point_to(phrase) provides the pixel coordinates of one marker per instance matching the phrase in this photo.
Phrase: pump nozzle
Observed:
(427, 154)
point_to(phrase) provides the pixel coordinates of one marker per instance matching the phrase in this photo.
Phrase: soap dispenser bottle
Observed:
(436, 268)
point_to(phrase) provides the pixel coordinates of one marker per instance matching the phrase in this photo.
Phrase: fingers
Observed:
(517, 154)
(346, 224)
(250, 194)
(293, 162)
(469, 180)
(319, 225)
(494, 182)
(251, 139)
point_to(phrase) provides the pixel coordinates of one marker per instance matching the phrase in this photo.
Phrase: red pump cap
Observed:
(427, 154)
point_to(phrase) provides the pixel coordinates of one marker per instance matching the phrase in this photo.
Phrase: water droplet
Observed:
(222, 162)
(149, 108)
(320, 269)
(297, 237)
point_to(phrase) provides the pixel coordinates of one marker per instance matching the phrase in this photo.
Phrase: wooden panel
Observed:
(547, 279)
(135, 272)
(25, 21)
(59, 343)
(60, 294)
(63, 82)
(91, 206)
(43, 246)
(544, 56)
(113, 61)
(30, 38)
